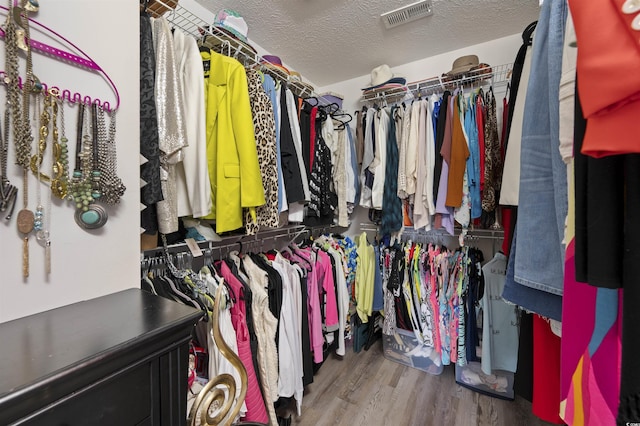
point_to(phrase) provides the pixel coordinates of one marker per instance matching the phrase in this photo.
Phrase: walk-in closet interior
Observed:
(319, 212)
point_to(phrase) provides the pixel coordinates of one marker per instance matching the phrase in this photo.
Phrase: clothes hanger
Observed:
(322, 114)
(527, 34)
(312, 98)
(343, 123)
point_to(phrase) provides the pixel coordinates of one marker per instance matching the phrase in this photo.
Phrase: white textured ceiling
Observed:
(329, 41)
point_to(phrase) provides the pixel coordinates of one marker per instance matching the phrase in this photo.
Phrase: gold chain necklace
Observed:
(59, 166)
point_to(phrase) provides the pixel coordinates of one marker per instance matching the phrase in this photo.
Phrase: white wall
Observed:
(85, 264)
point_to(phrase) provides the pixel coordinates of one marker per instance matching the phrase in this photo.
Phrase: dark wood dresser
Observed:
(116, 360)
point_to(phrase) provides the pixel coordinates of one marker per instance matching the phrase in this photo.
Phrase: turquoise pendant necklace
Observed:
(84, 184)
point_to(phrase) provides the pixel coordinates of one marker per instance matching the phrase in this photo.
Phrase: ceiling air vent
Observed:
(408, 13)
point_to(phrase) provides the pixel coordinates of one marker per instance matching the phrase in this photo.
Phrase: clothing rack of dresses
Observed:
(495, 76)
(300, 277)
(465, 237)
(181, 17)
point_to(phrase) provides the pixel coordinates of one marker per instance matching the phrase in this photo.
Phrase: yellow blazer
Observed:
(234, 172)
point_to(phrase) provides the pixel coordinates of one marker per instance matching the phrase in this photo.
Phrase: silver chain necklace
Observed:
(111, 185)
(8, 192)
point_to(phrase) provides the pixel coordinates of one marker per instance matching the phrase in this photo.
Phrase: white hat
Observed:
(380, 75)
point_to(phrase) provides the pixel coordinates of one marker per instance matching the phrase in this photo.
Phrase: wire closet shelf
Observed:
(495, 76)
(182, 18)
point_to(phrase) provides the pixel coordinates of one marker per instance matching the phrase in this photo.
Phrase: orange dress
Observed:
(458, 163)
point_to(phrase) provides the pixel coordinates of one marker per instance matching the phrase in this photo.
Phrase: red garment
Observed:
(312, 136)
(546, 372)
(506, 225)
(505, 119)
(608, 81)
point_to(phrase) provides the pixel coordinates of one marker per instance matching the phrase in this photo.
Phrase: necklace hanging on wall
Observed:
(8, 192)
(42, 220)
(86, 176)
(110, 184)
(17, 36)
(59, 159)
(63, 191)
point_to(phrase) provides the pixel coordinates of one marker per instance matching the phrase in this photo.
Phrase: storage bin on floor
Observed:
(404, 348)
(498, 385)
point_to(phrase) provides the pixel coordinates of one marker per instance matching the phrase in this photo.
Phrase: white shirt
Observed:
(421, 216)
(367, 158)
(342, 299)
(282, 194)
(194, 188)
(296, 210)
(290, 333)
(379, 163)
(510, 189)
(412, 148)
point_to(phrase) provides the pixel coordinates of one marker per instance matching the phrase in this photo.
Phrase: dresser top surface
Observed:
(39, 346)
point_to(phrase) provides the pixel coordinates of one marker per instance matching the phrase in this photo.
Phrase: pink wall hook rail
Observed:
(67, 95)
(72, 59)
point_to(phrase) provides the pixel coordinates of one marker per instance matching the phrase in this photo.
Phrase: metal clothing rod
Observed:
(498, 76)
(190, 23)
(264, 239)
(317, 231)
(472, 234)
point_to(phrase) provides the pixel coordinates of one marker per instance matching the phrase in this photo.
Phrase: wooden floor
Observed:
(367, 389)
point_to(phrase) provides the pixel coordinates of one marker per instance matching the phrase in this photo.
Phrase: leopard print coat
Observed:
(265, 129)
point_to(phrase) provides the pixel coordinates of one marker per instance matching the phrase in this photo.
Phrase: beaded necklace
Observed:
(85, 188)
